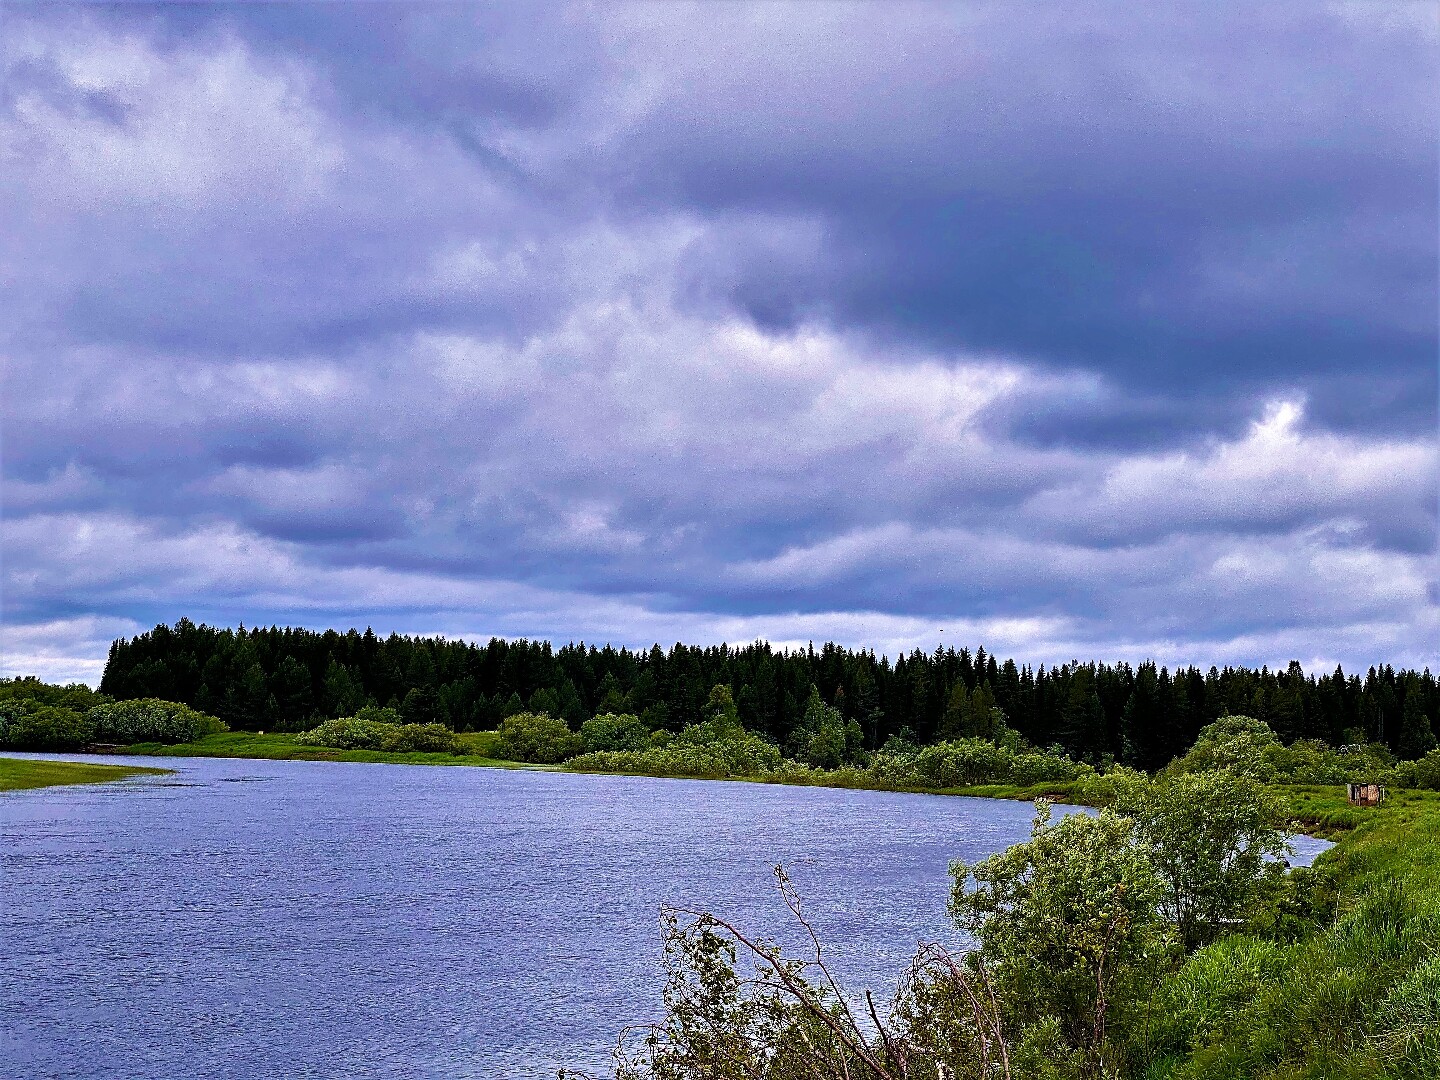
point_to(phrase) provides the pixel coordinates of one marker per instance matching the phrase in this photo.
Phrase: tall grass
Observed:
(1359, 996)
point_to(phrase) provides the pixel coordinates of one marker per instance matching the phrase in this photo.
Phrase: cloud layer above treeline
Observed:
(1090, 332)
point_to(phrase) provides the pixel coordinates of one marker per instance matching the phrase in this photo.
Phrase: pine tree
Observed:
(1083, 720)
(957, 712)
(421, 705)
(1417, 737)
(342, 694)
(1142, 744)
(290, 686)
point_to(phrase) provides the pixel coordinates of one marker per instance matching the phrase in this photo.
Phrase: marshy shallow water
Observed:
(255, 919)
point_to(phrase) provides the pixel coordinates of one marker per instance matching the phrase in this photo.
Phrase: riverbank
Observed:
(21, 774)
(1316, 810)
(1345, 984)
(278, 746)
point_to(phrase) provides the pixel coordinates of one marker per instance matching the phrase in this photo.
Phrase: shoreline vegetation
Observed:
(1309, 777)
(25, 774)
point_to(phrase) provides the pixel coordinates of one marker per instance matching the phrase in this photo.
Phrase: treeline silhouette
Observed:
(289, 679)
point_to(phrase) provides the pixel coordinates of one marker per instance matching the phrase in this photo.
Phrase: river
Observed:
(262, 919)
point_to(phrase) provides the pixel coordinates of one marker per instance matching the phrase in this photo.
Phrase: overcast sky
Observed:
(1073, 330)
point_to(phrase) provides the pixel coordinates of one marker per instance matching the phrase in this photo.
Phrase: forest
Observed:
(291, 678)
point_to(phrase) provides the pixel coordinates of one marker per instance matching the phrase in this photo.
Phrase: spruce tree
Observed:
(1417, 737)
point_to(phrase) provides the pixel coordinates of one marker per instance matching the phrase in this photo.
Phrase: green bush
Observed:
(747, 755)
(75, 696)
(614, 731)
(347, 733)
(966, 762)
(1214, 838)
(1238, 743)
(1068, 924)
(537, 738)
(1309, 761)
(420, 739)
(362, 733)
(151, 720)
(29, 725)
(1424, 773)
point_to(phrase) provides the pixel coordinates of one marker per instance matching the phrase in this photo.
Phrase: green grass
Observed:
(278, 746)
(18, 774)
(1359, 997)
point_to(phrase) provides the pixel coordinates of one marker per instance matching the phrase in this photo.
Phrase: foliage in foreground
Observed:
(1154, 941)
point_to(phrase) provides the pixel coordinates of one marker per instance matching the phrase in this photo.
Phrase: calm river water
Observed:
(254, 919)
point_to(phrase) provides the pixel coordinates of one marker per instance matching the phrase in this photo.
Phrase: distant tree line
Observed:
(289, 678)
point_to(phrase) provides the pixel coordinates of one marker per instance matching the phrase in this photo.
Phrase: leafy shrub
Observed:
(29, 725)
(965, 762)
(1248, 746)
(746, 755)
(1310, 761)
(10, 712)
(1069, 926)
(537, 738)
(1213, 837)
(614, 731)
(346, 733)
(1114, 786)
(151, 720)
(1036, 767)
(1424, 773)
(1235, 743)
(380, 714)
(76, 696)
(361, 733)
(419, 739)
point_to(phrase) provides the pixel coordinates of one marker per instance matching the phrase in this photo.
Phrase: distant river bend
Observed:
(257, 919)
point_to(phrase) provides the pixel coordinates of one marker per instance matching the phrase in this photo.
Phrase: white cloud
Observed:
(472, 389)
(176, 131)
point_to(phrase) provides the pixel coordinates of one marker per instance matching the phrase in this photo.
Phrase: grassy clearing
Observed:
(18, 774)
(277, 746)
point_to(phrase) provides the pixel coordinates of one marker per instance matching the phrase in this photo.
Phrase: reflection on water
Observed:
(345, 920)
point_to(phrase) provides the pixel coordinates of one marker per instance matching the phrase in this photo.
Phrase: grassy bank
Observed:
(1359, 997)
(18, 774)
(1317, 810)
(277, 746)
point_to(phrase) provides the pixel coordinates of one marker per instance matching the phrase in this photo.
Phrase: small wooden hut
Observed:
(1366, 794)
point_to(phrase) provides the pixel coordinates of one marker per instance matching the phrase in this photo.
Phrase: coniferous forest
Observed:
(267, 678)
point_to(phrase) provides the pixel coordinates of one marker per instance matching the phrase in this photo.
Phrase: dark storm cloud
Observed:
(1187, 202)
(1108, 330)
